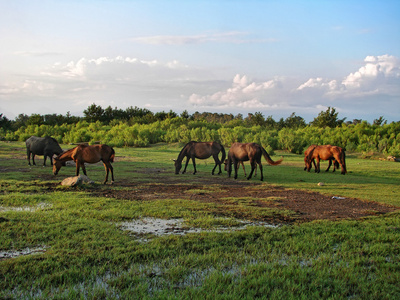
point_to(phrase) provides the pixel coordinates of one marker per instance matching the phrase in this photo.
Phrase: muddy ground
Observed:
(308, 206)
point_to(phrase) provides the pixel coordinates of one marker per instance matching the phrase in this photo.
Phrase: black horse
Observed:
(201, 150)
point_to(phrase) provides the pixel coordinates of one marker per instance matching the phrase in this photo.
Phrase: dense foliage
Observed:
(140, 127)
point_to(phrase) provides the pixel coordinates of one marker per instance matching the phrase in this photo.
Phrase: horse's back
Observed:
(241, 151)
(39, 145)
(201, 150)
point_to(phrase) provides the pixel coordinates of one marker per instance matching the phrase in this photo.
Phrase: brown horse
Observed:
(90, 154)
(326, 152)
(311, 148)
(200, 150)
(244, 152)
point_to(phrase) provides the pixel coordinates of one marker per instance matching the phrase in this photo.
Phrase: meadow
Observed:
(59, 242)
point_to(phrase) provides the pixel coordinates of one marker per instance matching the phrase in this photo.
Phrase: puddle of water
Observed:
(26, 251)
(160, 227)
(40, 206)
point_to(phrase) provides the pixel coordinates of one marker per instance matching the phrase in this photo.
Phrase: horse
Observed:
(240, 152)
(46, 146)
(326, 152)
(240, 162)
(311, 148)
(89, 154)
(200, 150)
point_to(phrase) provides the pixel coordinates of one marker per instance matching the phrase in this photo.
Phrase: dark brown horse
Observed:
(200, 150)
(311, 148)
(326, 152)
(89, 154)
(244, 152)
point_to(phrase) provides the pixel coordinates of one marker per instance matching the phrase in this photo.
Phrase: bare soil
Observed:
(308, 206)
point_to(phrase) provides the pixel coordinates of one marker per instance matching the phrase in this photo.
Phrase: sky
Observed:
(269, 56)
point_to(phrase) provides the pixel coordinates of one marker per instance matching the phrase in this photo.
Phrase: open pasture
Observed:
(284, 238)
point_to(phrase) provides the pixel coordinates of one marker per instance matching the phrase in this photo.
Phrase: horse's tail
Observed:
(223, 154)
(268, 158)
(112, 156)
(343, 158)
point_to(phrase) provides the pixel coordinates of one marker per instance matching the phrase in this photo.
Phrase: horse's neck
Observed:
(66, 155)
(183, 153)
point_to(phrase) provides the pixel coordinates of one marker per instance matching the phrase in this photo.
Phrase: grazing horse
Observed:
(90, 154)
(46, 146)
(311, 148)
(200, 150)
(250, 151)
(326, 152)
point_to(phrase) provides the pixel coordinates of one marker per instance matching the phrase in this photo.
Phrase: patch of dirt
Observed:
(308, 206)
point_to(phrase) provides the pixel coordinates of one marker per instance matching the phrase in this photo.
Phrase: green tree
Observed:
(379, 122)
(94, 113)
(4, 122)
(35, 119)
(295, 121)
(185, 114)
(328, 118)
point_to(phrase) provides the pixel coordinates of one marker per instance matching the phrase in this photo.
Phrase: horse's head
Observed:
(57, 164)
(178, 166)
(226, 165)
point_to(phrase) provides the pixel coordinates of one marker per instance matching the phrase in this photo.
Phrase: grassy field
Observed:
(74, 246)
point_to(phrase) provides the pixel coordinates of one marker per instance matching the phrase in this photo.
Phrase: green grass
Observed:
(88, 256)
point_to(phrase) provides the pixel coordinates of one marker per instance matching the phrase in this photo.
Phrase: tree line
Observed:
(139, 128)
(136, 115)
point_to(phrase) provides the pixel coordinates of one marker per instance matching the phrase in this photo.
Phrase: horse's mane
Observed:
(180, 156)
(67, 153)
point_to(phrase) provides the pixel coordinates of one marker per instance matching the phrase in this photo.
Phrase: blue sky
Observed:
(274, 57)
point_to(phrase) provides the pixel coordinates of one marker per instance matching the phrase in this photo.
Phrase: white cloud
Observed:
(241, 94)
(379, 75)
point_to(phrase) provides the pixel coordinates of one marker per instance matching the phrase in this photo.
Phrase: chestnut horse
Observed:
(309, 149)
(200, 150)
(326, 152)
(251, 151)
(89, 154)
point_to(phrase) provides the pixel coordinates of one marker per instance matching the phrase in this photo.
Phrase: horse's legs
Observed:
(78, 165)
(83, 168)
(313, 161)
(194, 165)
(253, 166)
(112, 172)
(33, 159)
(342, 163)
(317, 166)
(29, 157)
(329, 165)
(217, 163)
(236, 165)
(335, 165)
(108, 168)
(244, 170)
(44, 159)
(186, 164)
